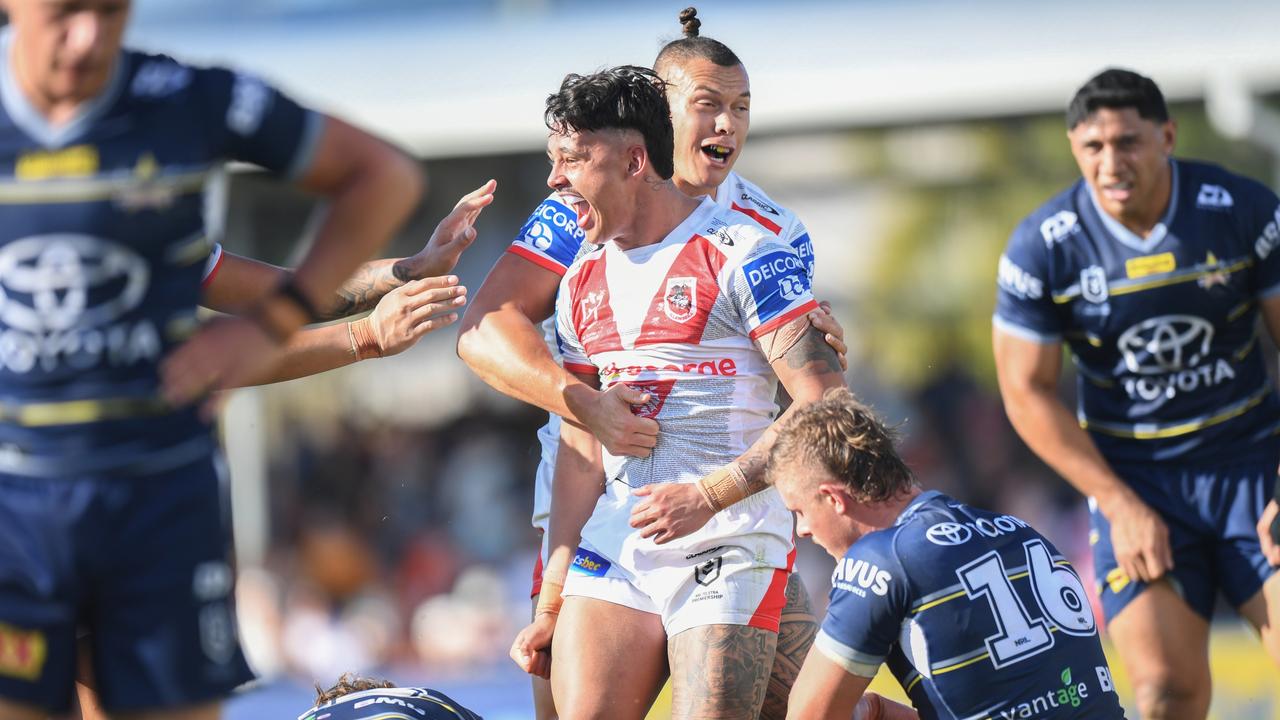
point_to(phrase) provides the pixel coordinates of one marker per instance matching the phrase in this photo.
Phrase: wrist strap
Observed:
(724, 487)
(363, 342)
(290, 291)
(549, 598)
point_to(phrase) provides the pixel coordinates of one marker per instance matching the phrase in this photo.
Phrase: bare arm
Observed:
(397, 323)
(501, 342)
(371, 187)
(807, 369)
(576, 486)
(1028, 374)
(825, 690)
(1269, 523)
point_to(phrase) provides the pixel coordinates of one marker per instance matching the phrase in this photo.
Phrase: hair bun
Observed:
(690, 22)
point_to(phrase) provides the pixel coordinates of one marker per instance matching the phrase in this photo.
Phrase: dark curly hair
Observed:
(844, 437)
(692, 45)
(626, 97)
(1116, 89)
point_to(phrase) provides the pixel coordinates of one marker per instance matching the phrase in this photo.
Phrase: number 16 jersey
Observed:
(976, 613)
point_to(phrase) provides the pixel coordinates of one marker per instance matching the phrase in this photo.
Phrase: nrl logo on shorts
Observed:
(708, 572)
(681, 300)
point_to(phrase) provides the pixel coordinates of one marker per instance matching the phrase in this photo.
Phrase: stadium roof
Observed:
(449, 81)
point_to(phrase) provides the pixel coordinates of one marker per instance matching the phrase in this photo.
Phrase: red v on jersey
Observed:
(683, 301)
(658, 391)
(593, 318)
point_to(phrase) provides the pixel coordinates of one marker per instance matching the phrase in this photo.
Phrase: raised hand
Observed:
(452, 236)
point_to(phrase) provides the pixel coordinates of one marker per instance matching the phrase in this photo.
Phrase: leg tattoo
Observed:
(795, 637)
(720, 672)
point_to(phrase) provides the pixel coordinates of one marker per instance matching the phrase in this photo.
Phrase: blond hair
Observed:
(844, 437)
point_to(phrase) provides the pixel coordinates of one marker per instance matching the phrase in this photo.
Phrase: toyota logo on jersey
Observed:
(681, 301)
(1165, 343)
(62, 298)
(948, 533)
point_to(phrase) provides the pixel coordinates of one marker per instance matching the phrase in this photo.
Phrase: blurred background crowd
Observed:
(382, 510)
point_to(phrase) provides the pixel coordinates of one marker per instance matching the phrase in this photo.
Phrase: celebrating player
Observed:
(1153, 270)
(111, 497)
(976, 613)
(704, 310)
(710, 99)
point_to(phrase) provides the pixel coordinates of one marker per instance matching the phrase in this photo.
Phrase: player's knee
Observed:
(1164, 696)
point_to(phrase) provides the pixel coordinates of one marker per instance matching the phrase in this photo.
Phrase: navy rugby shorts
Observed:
(144, 563)
(1212, 510)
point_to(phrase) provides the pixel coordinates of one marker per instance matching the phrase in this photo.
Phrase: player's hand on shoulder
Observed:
(531, 649)
(832, 331)
(404, 315)
(224, 353)
(610, 416)
(452, 236)
(1269, 533)
(1139, 538)
(670, 511)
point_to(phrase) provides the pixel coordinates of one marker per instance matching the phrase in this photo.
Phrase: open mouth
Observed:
(718, 153)
(1118, 191)
(580, 206)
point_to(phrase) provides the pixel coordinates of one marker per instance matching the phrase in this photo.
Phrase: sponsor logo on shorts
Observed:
(708, 551)
(1071, 694)
(586, 562)
(22, 652)
(954, 533)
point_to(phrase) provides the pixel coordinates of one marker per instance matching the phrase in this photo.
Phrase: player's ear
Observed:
(832, 496)
(637, 159)
(1169, 134)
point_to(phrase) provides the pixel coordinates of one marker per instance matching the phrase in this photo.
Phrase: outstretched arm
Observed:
(241, 282)
(807, 366)
(371, 187)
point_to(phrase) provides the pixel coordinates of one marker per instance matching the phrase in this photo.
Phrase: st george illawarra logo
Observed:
(681, 300)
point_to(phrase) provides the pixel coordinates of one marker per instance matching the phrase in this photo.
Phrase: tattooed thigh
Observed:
(795, 637)
(720, 671)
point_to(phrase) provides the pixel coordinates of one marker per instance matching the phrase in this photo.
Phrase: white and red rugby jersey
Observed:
(680, 320)
(551, 239)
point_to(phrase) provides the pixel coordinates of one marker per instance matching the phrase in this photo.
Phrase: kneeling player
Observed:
(976, 613)
(354, 698)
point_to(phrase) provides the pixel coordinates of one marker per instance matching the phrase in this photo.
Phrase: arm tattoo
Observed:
(812, 355)
(362, 291)
(719, 671)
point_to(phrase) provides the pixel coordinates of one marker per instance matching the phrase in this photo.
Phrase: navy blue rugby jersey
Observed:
(1162, 329)
(977, 615)
(102, 251)
(391, 704)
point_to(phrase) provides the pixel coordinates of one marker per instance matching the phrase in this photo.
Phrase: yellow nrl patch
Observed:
(1141, 267)
(73, 162)
(1117, 580)
(22, 652)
